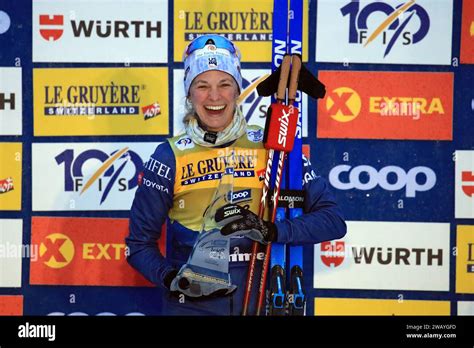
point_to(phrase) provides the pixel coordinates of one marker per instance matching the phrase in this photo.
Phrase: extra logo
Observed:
(387, 105)
(364, 178)
(5, 22)
(404, 24)
(107, 173)
(57, 250)
(333, 253)
(343, 104)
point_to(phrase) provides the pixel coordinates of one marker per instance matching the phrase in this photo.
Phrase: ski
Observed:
(277, 288)
(296, 297)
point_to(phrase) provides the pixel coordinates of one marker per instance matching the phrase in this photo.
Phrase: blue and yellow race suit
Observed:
(178, 183)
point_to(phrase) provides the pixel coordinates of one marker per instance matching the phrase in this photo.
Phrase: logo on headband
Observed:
(212, 62)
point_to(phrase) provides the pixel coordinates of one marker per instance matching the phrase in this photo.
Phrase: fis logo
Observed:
(51, 27)
(184, 143)
(405, 24)
(108, 174)
(57, 250)
(333, 253)
(253, 105)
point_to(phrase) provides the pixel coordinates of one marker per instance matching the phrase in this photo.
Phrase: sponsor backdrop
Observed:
(89, 88)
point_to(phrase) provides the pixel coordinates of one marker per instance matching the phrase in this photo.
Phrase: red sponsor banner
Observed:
(386, 105)
(11, 305)
(467, 32)
(82, 251)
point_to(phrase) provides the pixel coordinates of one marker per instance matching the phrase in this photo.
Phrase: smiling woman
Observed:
(220, 159)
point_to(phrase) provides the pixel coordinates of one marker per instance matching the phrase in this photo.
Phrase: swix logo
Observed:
(373, 178)
(261, 175)
(233, 211)
(57, 250)
(332, 253)
(106, 175)
(51, 27)
(151, 111)
(407, 23)
(343, 104)
(468, 183)
(283, 130)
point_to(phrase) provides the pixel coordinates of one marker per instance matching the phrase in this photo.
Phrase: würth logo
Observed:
(468, 178)
(7, 99)
(51, 27)
(332, 253)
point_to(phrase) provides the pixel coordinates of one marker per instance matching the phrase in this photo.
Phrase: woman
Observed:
(183, 174)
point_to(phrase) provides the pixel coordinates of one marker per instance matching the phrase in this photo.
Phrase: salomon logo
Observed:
(408, 180)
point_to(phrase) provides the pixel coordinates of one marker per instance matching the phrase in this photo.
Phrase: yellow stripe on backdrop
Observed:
(352, 306)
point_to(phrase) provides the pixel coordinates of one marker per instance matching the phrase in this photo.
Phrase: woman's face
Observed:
(214, 94)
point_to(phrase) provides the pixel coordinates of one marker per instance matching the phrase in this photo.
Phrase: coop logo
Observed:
(239, 196)
(468, 183)
(394, 30)
(51, 27)
(343, 104)
(56, 250)
(106, 177)
(5, 22)
(332, 253)
(364, 178)
(7, 101)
